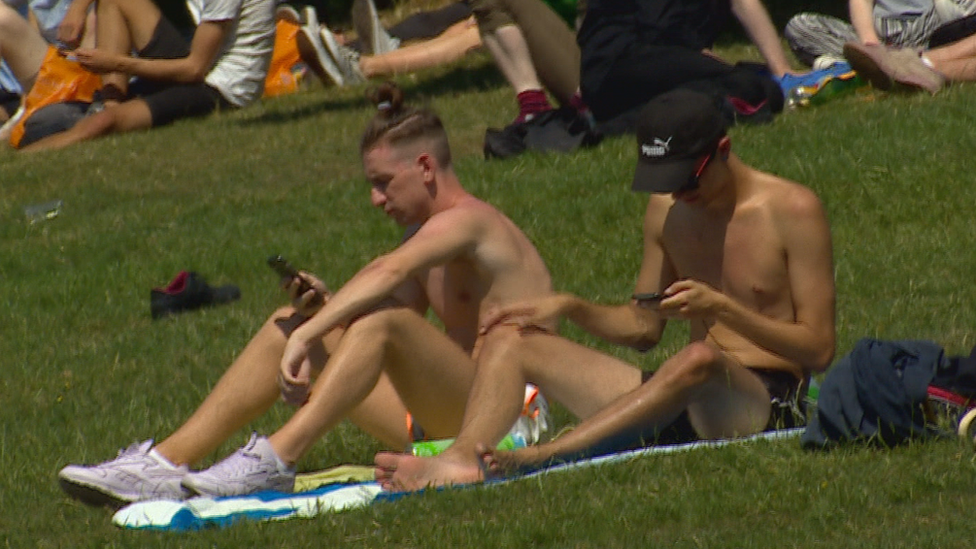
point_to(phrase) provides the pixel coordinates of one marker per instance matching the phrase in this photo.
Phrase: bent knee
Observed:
(697, 364)
(382, 322)
(504, 340)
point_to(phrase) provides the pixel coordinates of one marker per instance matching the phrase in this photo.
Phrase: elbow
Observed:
(822, 356)
(195, 74)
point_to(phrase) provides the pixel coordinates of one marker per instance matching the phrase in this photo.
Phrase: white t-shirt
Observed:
(242, 64)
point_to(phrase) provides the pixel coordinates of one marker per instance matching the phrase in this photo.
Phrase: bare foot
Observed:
(506, 463)
(408, 473)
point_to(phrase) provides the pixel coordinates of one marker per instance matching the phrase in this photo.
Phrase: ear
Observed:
(427, 165)
(724, 147)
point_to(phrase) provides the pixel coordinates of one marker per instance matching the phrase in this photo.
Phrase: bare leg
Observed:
(723, 399)
(116, 118)
(450, 46)
(21, 46)
(246, 390)
(580, 378)
(123, 26)
(378, 353)
(956, 61)
(511, 53)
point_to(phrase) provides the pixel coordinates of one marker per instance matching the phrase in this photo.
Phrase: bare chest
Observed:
(743, 258)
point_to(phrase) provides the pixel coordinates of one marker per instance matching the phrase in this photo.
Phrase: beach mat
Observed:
(343, 488)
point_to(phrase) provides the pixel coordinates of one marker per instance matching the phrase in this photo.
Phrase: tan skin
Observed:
(746, 258)
(124, 26)
(367, 353)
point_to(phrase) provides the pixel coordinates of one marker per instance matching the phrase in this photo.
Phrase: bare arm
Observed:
(441, 238)
(862, 18)
(755, 19)
(630, 324)
(204, 48)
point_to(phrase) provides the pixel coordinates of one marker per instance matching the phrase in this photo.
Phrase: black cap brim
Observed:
(662, 177)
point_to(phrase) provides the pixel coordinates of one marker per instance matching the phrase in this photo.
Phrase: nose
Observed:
(377, 198)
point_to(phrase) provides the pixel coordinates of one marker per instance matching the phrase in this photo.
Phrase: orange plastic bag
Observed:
(58, 80)
(282, 78)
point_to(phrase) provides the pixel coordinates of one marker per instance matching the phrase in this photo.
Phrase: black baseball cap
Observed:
(673, 131)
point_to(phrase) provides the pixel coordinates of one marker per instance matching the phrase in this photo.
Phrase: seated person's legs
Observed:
(377, 372)
(371, 373)
(580, 378)
(144, 103)
(450, 46)
(21, 46)
(551, 44)
(722, 398)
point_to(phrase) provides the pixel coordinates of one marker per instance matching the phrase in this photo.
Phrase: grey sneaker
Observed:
(313, 53)
(136, 474)
(253, 468)
(373, 37)
(346, 58)
(885, 67)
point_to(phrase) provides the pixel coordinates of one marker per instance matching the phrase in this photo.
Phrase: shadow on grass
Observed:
(455, 81)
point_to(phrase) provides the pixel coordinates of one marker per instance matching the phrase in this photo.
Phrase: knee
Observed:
(697, 364)
(9, 18)
(501, 345)
(381, 324)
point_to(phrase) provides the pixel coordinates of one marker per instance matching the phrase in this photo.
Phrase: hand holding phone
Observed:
(286, 270)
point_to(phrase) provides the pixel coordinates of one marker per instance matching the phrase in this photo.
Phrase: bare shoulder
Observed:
(659, 207)
(791, 200)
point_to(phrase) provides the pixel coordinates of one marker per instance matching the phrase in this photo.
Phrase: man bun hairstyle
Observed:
(399, 125)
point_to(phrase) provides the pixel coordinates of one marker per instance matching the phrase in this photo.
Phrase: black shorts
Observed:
(786, 411)
(171, 101)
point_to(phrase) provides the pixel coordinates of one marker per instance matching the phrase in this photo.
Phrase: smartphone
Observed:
(652, 297)
(286, 270)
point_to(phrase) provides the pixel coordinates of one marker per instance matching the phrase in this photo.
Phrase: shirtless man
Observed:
(375, 355)
(743, 255)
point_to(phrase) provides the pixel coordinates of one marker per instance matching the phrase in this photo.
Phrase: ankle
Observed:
(531, 102)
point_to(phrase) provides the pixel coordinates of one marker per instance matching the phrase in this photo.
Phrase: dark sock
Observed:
(531, 102)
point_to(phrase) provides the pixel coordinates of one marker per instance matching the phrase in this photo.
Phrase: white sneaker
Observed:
(253, 468)
(373, 37)
(313, 52)
(8, 127)
(824, 62)
(346, 59)
(136, 474)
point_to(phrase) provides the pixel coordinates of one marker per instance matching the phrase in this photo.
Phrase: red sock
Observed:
(531, 102)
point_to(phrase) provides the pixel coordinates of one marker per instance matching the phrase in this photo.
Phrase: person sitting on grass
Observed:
(929, 70)
(23, 45)
(223, 66)
(374, 354)
(818, 40)
(742, 255)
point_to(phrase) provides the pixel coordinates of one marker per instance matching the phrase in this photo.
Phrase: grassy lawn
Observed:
(86, 371)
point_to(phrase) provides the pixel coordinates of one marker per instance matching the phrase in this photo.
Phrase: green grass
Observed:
(86, 371)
